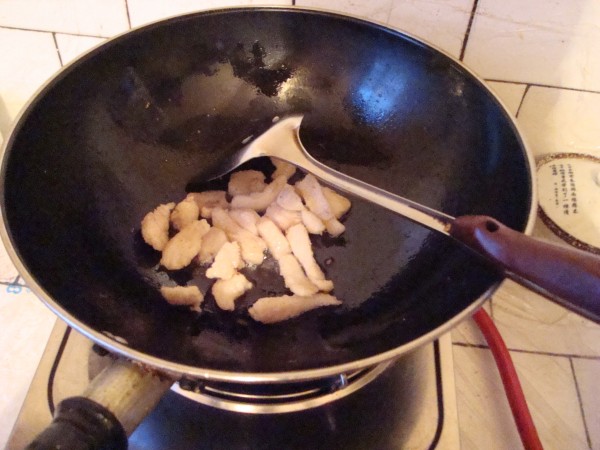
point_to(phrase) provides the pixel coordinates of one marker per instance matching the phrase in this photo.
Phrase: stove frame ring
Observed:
(338, 387)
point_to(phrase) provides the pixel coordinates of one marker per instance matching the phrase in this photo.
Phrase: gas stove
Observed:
(409, 403)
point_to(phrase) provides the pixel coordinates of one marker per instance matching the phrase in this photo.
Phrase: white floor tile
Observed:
(28, 59)
(5, 118)
(145, 11)
(511, 94)
(25, 324)
(442, 24)
(530, 322)
(70, 46)
(560, 120)
(537, 42)
(484, 413)
(587, 373)
(378, 10)
(7, 270)
(551, 394)
(91, 17)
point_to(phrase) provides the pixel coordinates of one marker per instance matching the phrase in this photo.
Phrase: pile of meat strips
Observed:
(226, 236)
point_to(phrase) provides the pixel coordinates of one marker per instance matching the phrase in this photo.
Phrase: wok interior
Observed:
(128, 127)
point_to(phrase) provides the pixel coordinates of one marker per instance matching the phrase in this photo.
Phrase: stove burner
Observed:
(408, 403)
(260, 398)
(280, 397)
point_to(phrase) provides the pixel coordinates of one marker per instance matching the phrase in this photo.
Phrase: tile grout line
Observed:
(468, 31)
(493, 80)
(522, 100)
(127, 12)
(530, 352)
(389, 14)
(11, 284)
(549, 86)
(47, 31)
(57, 49)
(585, 426)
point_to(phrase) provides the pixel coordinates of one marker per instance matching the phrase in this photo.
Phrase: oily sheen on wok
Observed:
(131, 124)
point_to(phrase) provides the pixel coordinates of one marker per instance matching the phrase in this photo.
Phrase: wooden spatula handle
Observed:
(566, 275)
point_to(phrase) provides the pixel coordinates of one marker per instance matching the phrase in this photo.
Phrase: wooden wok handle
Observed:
(565, 275)
(110, 409)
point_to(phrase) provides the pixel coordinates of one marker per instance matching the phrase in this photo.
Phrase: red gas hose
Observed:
(510, 380)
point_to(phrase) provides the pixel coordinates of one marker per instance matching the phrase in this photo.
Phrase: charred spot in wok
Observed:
(250, 66)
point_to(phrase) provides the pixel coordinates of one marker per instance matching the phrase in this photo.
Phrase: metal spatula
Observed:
(565, 275)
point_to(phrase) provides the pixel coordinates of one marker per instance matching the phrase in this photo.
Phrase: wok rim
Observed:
(178, 369)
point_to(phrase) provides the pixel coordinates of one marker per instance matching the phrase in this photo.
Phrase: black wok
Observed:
(130, 124)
